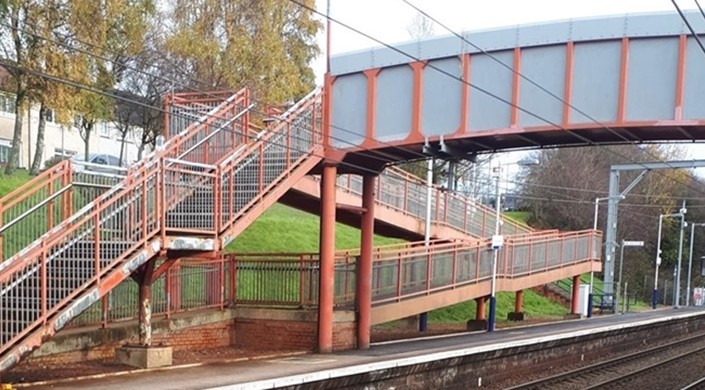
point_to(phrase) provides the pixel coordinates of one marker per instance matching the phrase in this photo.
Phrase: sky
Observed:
(388, 20)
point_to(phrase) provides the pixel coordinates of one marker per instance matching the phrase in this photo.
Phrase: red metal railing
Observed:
(34, 208)
(406, 193)
(400, 271)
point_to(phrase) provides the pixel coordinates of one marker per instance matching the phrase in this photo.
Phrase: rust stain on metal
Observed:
(146, 324)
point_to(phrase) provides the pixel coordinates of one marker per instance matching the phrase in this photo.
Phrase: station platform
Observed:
(306, 368)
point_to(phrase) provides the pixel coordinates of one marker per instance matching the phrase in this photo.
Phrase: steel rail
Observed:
(601, 366)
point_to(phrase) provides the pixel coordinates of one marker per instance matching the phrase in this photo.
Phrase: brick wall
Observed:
(195, 332)
(259, 333)
(263, 329)
(282, 329)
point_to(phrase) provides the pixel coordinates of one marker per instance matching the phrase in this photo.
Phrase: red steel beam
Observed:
(568, 82)
(623, 78)
(516, 83)
(370, 131)
(680, 77)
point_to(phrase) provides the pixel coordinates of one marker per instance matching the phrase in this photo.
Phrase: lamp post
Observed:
(624, 244)
(690, 261)
(594, 254)
(654, 295)
(498, 239)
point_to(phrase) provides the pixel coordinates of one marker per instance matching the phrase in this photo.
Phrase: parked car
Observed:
(96, 159)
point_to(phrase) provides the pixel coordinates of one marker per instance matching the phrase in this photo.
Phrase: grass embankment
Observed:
(519, 216)
(284, 229)
(10, 182)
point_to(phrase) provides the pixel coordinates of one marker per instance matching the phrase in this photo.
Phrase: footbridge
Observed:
(75, 233)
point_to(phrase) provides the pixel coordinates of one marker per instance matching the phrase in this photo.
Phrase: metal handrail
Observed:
(209, 136)
(34, 208)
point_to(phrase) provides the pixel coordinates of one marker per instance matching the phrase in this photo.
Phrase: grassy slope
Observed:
(284, 229)
(534, 306)
(9, 183)
(521, 216)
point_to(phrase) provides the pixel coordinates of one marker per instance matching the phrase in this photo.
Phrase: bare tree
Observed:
(420, 27)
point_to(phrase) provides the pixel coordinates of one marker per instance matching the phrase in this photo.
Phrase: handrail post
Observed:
(43, 288)
(96, 241)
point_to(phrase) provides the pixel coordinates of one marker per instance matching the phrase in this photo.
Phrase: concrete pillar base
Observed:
(515, 316)
(473, 325)
(572, 316)
(143, 357)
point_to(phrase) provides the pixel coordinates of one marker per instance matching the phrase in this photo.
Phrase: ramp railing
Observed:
(406, 193)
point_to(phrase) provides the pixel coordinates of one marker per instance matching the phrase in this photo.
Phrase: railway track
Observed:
(630, 371)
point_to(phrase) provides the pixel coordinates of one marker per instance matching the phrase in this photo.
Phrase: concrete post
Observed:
(364, 263)
(327, 260)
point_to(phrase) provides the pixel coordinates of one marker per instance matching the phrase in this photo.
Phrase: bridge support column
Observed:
(518, 314)
(364, 263)
(575, 297)
(480, 321)
(327, 260)
(143, 354)
(144, 278)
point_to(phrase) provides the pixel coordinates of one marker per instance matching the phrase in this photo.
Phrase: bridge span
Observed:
(631, 78)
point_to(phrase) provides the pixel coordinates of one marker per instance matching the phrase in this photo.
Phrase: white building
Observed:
(59, 140)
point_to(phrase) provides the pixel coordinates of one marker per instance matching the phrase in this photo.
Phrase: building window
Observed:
(7, 103)
(103, 129)
(5, 147)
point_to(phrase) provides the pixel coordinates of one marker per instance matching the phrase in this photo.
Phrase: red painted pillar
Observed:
(480, 310)
(575, 308)
(519, 301)
(364, 263)
(327, 260)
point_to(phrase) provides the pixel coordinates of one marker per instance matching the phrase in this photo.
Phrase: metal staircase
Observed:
(71, 235)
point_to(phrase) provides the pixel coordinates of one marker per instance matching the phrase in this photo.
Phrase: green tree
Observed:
(112, 30)
(44, 35)
(266, 45)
